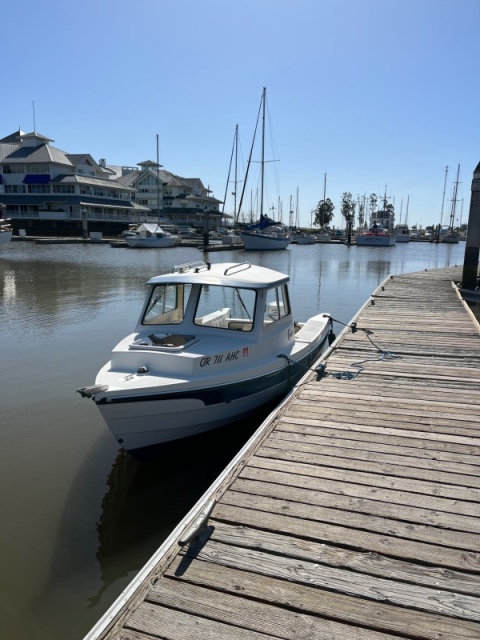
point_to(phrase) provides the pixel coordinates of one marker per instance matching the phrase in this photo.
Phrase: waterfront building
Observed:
(48, 191)
(179, 201)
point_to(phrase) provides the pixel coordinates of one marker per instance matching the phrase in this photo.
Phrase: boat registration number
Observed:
(222, 358)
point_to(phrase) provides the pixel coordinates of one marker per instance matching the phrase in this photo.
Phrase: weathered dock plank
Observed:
(354, 511)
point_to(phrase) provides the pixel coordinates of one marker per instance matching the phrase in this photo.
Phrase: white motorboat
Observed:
(305, 238)
(212, 345)
(375, 236)
(150, 236)
(402, 232)
(5, 231)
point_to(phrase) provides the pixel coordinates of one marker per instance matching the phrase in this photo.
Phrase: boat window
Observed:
(167, 304)
(277, 304)
(226, 308)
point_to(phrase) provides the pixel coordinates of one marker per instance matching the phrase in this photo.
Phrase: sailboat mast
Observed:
(236, 175)
(454, 200)
(443, 197)
(158, 185)
(406, 214)
(263, 153)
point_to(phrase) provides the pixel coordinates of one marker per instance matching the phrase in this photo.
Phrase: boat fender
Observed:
(331, 338)
(198, 524)
(88, 392)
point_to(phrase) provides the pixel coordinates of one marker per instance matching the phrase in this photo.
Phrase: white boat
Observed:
(381, 232)
(265, 234)
(305, 238)
(323, 236)
(5, 230)
(375, 236)
(150, 236)
(402, 232)
(212, 345)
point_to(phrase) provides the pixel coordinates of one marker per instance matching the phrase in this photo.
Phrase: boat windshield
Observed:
(167, 304)
(225, 307)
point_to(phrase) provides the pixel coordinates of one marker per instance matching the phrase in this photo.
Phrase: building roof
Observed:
(43, 153)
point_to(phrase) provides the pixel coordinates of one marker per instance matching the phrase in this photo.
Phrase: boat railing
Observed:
(241, 266)
(198, 266)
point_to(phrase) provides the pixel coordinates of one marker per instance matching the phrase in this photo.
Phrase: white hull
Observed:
(5, 237)
(150, 243)
(143, 424)
(401, 237)
(213, 344)
(264, 241)
(375, 240)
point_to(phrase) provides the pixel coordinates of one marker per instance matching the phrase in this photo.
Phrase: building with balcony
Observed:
(49, 192)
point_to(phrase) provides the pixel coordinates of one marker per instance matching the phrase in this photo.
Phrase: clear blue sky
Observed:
(373, 94)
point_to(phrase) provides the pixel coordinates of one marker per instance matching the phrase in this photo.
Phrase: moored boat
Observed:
(150, 236)
(305, 238)
(213, 344)
(5, 229)
(265, 234)
(381, 232)
(375, 236)
(402, 232)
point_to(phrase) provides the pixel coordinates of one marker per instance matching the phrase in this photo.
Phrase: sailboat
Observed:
(451, 236)
(151, 235)
(402, 230)
(265, 234)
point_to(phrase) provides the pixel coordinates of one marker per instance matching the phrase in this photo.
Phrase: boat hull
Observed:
(141, 419)
(375, 240)
(5, 237)
(264, 242)
(150, 243)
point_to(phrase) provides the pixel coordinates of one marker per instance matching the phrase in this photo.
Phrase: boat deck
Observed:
(354, 511)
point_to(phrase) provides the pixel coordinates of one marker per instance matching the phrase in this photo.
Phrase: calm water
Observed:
(79, 517)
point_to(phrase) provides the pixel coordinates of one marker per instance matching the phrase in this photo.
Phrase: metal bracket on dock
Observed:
(200, 522)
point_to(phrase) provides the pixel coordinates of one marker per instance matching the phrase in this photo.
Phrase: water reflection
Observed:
(146, 498)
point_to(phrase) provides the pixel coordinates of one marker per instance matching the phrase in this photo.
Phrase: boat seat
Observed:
(310, 329)
(215, 319)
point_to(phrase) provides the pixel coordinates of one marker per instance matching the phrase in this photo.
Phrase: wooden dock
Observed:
(353, 513)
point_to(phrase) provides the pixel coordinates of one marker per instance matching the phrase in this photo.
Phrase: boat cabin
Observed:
(198, 301)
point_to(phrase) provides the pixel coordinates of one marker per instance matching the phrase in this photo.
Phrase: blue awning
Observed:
(36, 178)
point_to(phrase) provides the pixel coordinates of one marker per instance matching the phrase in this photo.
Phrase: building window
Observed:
(38, 188)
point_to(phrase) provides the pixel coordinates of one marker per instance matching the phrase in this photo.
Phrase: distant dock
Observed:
(354, 511)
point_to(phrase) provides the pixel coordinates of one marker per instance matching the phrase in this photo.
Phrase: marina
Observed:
(82, 516)
(353, 510)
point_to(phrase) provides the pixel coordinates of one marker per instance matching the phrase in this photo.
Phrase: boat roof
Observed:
(230, 274)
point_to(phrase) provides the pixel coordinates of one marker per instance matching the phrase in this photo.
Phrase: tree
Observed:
(323, 213)
(361, 210)
(348, 212)
(372, 204)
